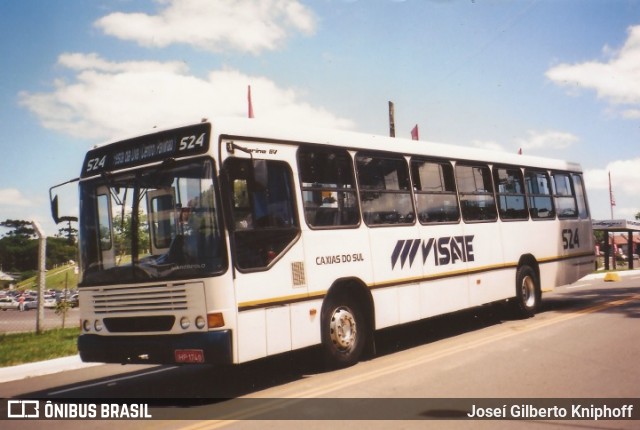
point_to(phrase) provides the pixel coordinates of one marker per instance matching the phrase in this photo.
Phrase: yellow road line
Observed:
(373, 374)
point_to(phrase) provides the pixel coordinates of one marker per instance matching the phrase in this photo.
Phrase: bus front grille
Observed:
(154, 298)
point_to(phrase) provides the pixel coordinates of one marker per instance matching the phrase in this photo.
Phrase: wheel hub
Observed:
(528, 292)
(343, 328)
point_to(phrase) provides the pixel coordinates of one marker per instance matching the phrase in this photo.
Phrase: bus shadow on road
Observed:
(195, 385)
(279, 370)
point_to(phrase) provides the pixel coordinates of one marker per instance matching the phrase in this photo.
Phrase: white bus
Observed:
(231, 240)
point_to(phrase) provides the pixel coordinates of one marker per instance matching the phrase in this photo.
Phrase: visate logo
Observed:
(444, 250)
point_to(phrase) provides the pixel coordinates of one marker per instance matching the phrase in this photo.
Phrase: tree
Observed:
(62, 309)
(69, 232)
(19, 248)
(63, 306)
(60, 251)
(19, 229)
(638, 215)
(122, 230)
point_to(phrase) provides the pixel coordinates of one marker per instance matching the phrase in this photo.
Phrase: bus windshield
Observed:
(157, 223)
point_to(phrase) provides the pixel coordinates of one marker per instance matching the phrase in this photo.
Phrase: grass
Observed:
(55, 278)
(23, 348)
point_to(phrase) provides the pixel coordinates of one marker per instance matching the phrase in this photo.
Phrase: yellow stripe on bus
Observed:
(283, 300)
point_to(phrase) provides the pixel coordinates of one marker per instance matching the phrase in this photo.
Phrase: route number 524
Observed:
(191, 142)
(570, 239)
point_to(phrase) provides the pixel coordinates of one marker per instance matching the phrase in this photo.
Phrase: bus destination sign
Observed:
(179, 142)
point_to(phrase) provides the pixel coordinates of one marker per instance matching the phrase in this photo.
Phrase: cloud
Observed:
(550, 139)
(625, 177)
(109, 99)
(631, 114)
(248, 26)
(13, 197)
(79, 62)
(616, 80)
(625, 183)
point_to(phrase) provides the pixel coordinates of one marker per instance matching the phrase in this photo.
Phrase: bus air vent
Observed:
(297, 274)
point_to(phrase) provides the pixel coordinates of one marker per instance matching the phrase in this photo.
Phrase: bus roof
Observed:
(294, 133)
(256, 129)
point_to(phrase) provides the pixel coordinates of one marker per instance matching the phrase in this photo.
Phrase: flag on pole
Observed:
(612, 199)
(414, 133)
(250, 113)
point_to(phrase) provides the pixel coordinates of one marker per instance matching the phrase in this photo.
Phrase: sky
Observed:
(558, 79)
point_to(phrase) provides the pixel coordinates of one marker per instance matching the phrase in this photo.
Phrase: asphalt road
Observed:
(13, 321)
(584, 344)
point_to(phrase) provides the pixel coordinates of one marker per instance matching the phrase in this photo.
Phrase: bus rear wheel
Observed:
(528, 293)
(344, 332)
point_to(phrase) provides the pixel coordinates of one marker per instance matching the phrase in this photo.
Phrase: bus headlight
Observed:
(200, 323)
(97, 324)
(185, 323)
(86, 325)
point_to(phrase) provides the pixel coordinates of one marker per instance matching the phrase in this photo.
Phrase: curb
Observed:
(602, 275)
(42, 368)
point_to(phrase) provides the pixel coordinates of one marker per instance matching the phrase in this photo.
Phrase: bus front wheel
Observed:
(344, 332)
(528, 293)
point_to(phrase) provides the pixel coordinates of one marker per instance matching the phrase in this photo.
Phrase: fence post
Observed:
(42, 273)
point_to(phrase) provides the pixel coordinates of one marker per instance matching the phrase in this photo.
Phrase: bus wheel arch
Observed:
(527, 285)
(347, 322)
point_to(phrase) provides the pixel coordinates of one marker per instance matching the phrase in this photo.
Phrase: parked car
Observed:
(28, 304)
(8, 303)
(50, 302)
(74, 301)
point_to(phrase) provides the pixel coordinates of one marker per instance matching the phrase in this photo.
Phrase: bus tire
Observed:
(528, 293)
(344, 331)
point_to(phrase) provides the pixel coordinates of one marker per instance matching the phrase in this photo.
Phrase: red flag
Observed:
(414, 133)
(250, 114)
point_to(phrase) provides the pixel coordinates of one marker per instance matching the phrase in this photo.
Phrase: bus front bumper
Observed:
(194, 348)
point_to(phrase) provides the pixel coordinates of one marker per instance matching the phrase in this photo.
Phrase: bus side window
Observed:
(435, 189)
(539, 194)
(476, 193)
(583, 207)
(564, 196)
(509, 186)
(328, 187)
(385, 189)
(104, 222)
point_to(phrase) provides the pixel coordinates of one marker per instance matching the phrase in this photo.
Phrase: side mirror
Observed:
(54, 205)
(54, 210)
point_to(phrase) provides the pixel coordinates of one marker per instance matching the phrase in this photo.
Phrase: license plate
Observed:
(189, 356)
